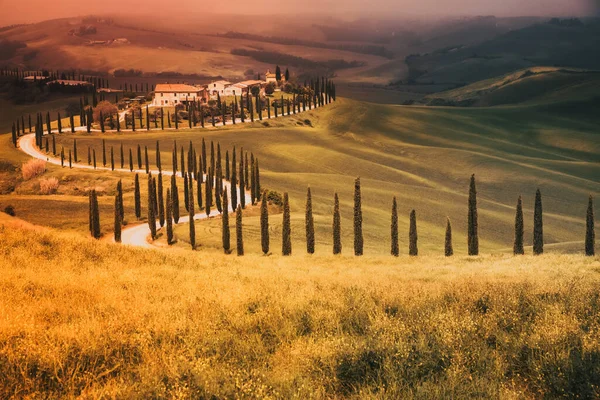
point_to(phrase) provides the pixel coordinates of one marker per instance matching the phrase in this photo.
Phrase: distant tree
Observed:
(233, 181)
(130, 160)
(103, 109)
(538, 225)
(62, 156)
(112, 158)
(59, 123)
(412, 235)
(74, 149)
(169, 218)
(199, 194)
(208, 192)
(286, 230)
(151, 208)
(519, 229)
(147, 162)
(186, 192)
(104, 152)
(137, 198)
(395, 250)
(256, 176)
(122, 155)
(70, 160)
(191, 216)
(160, 200)
(117, 221)
(175, 199)
(95, 215)
(264, 224)
(14, 135)
(590, 234)
(54, 145)
(277, 73)
(225, 223)
(227, 171)
(448, 250)
(287, 75)
(270, 88)
(120, 200)
(358, 234)
(473, 239)
(310, 224)
(238, 231)
(337, 230)
(241, 181)
(94, 157)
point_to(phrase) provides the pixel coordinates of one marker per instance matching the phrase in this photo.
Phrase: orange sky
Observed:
(19, 11)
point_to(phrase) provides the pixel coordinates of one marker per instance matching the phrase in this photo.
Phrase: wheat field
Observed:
(88, 319)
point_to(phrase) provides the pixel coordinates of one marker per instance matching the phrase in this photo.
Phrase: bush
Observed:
(48, 186)
(274, 198)
(10, 210)
(33, 168)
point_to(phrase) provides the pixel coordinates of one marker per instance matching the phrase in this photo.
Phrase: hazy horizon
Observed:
(36, 10)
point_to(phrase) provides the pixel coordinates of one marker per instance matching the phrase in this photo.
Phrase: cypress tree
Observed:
(286, 246)
(112, 158)
(89, 156)
(88, 121)
(158, 163)
(48, 123)
(59, 123)
(62, 156)
(337, 230)
(53, 145)
(91, 213)
(175, 199)
(208, 192)
(147, 118)
(519, 229)
(310, 224)
(169, 218)
(14, 135)
(590, 234)
(448, 250)
(203, 156)
(412, 235)
(94, 157)
(254, 195)
(234, 202)
(473, 239)
(137, 199)
(358, 234)
(103, 152)
(120, 200)
(395, 249)
(130, 160)
(132, 120)
(70, 160)
(225, 224)
(182, 163)
(218, 192)
(95, 216)
(227, 171)
(238, 231)
(118, 123)
(146, 159)
(199, 194)
(47, 146)
(151, 213)
(191, 211)
(264, 224)
(162, 119)
(102, 122)
(246, 174)
(538, 225)
(74, 150)
(242, 184)
(117, 221)
(256, 176)
(212, 155)
(161, 203)
(122, 155)
(186, 193)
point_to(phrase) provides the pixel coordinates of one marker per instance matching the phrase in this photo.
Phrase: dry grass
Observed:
(90, 319)
(48, 186)
(33, 168)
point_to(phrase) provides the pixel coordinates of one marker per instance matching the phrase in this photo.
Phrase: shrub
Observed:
(48, 186)
(10, 210)
(33, 168)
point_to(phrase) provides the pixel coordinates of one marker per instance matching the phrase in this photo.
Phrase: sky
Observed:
(19, 11)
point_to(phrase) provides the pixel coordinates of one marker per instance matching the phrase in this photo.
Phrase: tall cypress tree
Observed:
(448, 250)
(139, 156)
(519, 229)
(95, 216)
(130, 160)
(208, 192)
(538, 225)
(310, 224)
(14, 135)
(53, 145)
(137, 199)
(256, 176)
(161, 203)
(473, 238)
(199, 194)
(62, 156)
(227, 171)
(225, 223)
(112, 158)
(117, 221)
(246, 174)
(238, 231)
(286, 246)
(191, 216)
(412, 235)
(337, 229)
(264, 224)
(104, 152)
(151, 209)
(395, 249)
(120, 200)
(234, 202)
(203, 156)
(146, 159)
(169, 218)
(158, 162)
(590, 234)
(241, 181)
(186, 194)
(175, 199)
(70, 160)
(58, 121)
(94, 157)
(358, 234)
(122, 155)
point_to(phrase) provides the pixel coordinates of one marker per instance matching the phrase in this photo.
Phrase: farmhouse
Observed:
(172, 94)
(272, 78)
(218, 87)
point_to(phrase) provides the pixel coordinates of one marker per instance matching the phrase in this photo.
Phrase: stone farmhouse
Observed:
(166, 94)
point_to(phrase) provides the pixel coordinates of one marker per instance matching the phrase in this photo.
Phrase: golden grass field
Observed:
(86, 319)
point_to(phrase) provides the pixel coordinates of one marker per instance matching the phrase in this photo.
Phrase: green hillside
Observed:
(422, 155)
(537, 85)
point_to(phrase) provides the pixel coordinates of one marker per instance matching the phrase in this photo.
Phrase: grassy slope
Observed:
(81, 317)
(529, 86)
(424, 156)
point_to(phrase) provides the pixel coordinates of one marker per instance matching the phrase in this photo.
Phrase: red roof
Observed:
(176, 88)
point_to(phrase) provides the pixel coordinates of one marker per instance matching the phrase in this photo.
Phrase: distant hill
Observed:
(552, 43)
(537, 85)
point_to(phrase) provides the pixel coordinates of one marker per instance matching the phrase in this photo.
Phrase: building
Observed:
(272, 78)
(166, 94)
(218, 87)
(242, 87)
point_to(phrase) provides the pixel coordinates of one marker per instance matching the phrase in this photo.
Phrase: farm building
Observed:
(172, 94)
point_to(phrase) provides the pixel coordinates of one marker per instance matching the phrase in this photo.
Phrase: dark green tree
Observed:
(358, 234)
(241, 181)
(175, 199)
(590, 234)
(104, 152)
(519, 229)
(139, 156)
(412, 235)
(169, 218)
(161, 203)
(226, 236)
(278, 73)
(286, 230)
(191, 216)
(310, 224)
(238, 231)
(95, 217)
(395, 249)
(264, 224)
(122, 155)
(112, 158)
(130, 160)
(337, 229)
(186, 193)
(137, 198)
(234, 202)
(117, 221)
(146, 159)
(158, 163)
(473, 238)
(538, 225)
(151, 208)
(448, 250)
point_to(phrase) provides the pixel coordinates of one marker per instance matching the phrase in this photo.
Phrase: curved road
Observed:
(136, 235)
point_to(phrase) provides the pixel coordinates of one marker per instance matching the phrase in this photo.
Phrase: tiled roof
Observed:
(175, 88)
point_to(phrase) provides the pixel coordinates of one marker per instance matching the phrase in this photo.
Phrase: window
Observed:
(189, 94)
(162, 95)
(215, 85)
(175, 101)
